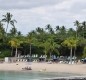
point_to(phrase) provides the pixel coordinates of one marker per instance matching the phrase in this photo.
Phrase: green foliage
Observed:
(43, 41)
(84, 52)
(70, 42)
(15, 42)
(81, 42)
(5, 53)
(8, 19)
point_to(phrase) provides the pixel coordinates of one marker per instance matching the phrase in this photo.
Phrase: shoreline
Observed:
(45, 67)
(68, 78)
(69, 72)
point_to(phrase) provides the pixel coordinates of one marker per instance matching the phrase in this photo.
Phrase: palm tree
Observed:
(62, 29)
(71, 32)
(78, 30)
(70, 42)
(39, 30)
(11, 42)
(8, 19)
(84, 28)
(19, 33)
(50, 29)
(57, 29)
(77, 24)
(52, 46)
(84, 24)
(49, 46)
(30, 40)
(46, 46)
(62, 33)
(15, 43)
(2, 31)
(13, 31)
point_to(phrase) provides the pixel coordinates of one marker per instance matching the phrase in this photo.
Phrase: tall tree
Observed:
(77, 24)
(57, 29)
(15, 43)
(39, 30)
(13, 31)
(53, 46)
(71, 43)
(19, 33)
(62, 33)
(2, 31)
(8, 19)
(50, 29)
(30, 40)
(71, 32)
(84, 29)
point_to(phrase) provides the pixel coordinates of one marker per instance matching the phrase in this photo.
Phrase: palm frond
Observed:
(4, 20)
(12, 23)
(14, 20)
(4, 16)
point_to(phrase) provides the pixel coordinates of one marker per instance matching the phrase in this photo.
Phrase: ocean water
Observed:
(13, 75)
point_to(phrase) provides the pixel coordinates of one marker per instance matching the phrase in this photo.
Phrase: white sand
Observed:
(55, 67)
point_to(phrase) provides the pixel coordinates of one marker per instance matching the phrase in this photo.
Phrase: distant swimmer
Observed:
(43, 70)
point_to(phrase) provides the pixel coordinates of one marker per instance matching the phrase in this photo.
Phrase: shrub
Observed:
(5, 53)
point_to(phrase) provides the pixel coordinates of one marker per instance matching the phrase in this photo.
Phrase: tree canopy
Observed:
(43, 41)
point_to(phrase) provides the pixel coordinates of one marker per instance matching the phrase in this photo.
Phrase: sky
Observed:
(31, 14)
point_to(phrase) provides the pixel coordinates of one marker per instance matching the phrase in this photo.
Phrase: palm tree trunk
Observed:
(16, 53)
(76, 33)
(45, 56)
(71, 55)
(24, 52)
(50, 55)
(30, 52)
(83, 34)
(74, 53)
(6, 34)
(7, 28)
(12, 52)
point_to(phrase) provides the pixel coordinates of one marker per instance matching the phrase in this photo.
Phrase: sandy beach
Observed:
(54, 67)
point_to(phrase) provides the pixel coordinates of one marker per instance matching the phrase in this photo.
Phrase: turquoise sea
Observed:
(13, 75)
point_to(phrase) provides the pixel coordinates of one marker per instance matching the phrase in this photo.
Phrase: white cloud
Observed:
(38, 13)
(25, 4)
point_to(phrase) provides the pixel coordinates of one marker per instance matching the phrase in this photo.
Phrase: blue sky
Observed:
(38, 13)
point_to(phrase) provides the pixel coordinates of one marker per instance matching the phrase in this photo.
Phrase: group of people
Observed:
(27, 68)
